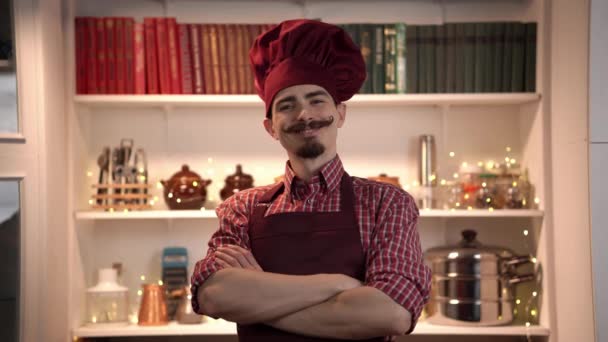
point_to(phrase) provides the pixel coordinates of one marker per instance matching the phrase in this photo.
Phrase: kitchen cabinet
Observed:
(213, 133)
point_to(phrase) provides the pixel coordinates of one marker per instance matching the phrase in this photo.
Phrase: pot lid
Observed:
(239, 179)
(468, 247)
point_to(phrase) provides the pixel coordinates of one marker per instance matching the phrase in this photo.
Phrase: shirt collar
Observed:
(329, 175)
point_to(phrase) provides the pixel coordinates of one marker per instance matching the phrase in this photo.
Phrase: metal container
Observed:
(428, 172)
(472, 284)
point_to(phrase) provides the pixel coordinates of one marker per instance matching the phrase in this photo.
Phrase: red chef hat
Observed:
(305, 51)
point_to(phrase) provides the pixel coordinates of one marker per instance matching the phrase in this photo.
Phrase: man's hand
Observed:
(236, 256)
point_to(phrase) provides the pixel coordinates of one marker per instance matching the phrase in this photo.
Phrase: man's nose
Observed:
(305, 113)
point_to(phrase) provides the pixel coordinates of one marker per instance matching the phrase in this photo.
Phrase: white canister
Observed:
(107, 302)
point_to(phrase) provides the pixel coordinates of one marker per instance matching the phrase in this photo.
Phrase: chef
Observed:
(320, 255)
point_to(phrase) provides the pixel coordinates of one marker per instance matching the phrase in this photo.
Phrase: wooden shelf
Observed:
(221, 327)
(210, 214)
(94, 101)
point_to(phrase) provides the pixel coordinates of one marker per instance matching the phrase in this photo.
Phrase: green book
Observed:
(390, 59)
(450, 58)
(401, 75)
(508, 57)
(366, 43)
(517, 78)
(411, 51)
(530, 72)
(489, 57)
(459, 56)
(469, 57)
(431, 85)
(440, 53)
(423, 57)
(498, 46)
(378, 67)
(480, 34)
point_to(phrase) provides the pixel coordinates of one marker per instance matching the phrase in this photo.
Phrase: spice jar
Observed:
(470, 183)
(487, 196)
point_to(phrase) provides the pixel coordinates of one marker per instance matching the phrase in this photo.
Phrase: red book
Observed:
(162, 51)
(102, 62)
(151, 57)
(119, 55)
(254, 32)
(185, 58)
(140, 59)
(111, 55)
(174, 57)
(129, 56)
(197, 67)
(80, 49)
(91, 55)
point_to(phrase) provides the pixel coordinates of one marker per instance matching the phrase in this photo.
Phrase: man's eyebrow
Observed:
(316, 93)
(285, 99)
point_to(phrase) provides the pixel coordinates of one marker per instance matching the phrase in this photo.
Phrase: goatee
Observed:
(311, 150)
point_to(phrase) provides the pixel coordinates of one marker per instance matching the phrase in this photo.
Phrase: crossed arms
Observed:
(321, 305)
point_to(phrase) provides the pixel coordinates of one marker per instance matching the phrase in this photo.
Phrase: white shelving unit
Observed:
(231, 101)
(221, 327)
(210, 214)
(177, 128)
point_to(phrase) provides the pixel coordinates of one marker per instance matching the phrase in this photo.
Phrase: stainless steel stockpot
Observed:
(473, 284)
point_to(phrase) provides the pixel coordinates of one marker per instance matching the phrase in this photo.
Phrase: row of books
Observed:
(116, 55)
(449, 58)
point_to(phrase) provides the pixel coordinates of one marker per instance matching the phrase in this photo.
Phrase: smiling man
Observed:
(321, 255)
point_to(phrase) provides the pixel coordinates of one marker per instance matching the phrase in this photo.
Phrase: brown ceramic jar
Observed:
(236, 182)
(186, 190)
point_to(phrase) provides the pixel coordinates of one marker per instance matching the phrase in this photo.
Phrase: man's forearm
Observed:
(360, 313)
(246, 296)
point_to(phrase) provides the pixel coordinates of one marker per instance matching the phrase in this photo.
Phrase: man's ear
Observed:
(270, 129)
(341, 108)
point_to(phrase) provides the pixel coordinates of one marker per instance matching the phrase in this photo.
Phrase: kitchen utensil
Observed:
(185, 190)
(472, 284)
(428, 171)
(236, 182)
(107, 302)
(153, 308)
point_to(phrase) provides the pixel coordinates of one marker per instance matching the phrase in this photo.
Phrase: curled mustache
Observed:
(313, 124)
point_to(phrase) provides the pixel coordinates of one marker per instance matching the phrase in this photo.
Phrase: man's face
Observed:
(305, 120)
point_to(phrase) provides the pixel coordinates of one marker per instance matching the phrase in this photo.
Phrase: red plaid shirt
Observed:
(387, 222)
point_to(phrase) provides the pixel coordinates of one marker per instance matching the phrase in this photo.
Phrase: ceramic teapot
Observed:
(236, 182)
(185, 190)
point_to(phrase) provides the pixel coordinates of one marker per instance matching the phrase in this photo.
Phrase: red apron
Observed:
(303, 244)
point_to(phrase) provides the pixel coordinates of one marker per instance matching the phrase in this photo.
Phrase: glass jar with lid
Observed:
(107, 302)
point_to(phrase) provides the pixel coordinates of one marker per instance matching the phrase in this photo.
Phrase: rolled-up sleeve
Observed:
(233, 220)
(395, 263)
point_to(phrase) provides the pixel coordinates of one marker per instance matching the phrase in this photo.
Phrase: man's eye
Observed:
(284, 108)
(317, 101)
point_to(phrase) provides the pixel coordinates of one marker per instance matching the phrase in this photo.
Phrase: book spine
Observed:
(390, 59)
(366, 34)
(119, 53)
(517, 79)
(130, 55)
(478, 83)
(450, 58)
(223, 58)
(231, 58)
(508, 58)
(499, 51)
(469, 57)
(439, 43)
(91, 55)
(111, 54)
(411, 49)
(241, 59)
(186, 58)
(102, 62)
(140, 59)
(197, 68)
(162, 51)
(174, 56)
(378, 69)
(151, 57)
(401, 72)
(530, 73)
(214, 59)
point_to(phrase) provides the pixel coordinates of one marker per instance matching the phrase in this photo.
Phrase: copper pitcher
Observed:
(153, 307)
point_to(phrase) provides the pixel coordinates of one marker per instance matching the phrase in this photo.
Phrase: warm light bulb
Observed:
(484, 184)
(469, 208)
(455, 175)
(160, 282)
(452, 154)
(141, 170)
(534, 260)
(458, 204)
(159, 185)
(210, 160)
(91, 201)
(152, 202)
(533, 312)
(517, 301)
(179, 200)
(464, 164)
(527, 324)
(156, 198)
(142, 277)
(466, 196)
(534, 293)
(514, 184)
(195, 183)
(512, 161)
(139, 292)
(526, 232)
(443, 182)
(480, 164)
(90, 174)
(415, 183)
(537, 200)
(488, 200)
(508, 149)
(170, 195)
(490, 209)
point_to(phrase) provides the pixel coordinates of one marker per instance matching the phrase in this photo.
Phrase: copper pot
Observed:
(153, 308)
(236, 182)
(185, 190)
